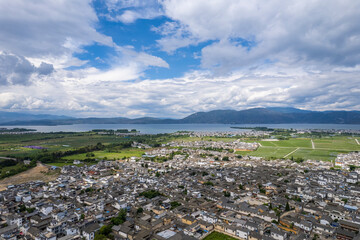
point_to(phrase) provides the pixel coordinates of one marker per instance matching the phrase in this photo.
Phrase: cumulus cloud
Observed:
(45, 68)
(48, 33)
(18, 70)
(299, 32)
(48, 29)
(182, 96)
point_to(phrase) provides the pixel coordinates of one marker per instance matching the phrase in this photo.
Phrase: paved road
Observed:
(357, 141)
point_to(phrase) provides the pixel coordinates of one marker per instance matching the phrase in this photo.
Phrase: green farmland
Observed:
(218, 236)
(324, 149)
(124, 153)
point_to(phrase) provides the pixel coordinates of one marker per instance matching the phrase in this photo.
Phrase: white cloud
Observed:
(176, 35)
(50, 32)
(128, 65)
(48, 28)
(128, 11)
(304, 33)
(122, 73)
(302, 54)
(76, 94)
(18, 70)
(140, 58)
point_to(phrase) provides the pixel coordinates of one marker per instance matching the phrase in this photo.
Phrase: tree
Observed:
(150, 194)
(226, 194)
(174, 204)
(120, 219)
(287, 208)
(100, 237)
(30, 210)
(226, 158)
(139, 210)
(208, 183)
(22, 208)
(105, 230)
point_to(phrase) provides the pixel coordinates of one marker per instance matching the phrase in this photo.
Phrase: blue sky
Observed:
(141, 35)
(170, 58)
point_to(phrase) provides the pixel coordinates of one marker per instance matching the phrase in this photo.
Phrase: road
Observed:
(291, 153)
(312, 144)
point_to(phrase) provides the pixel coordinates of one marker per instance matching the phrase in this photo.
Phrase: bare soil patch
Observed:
(40, 172)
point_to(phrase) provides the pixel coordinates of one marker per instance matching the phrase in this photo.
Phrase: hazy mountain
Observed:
(287, 110)
(274, 115)
(249, 116)
(14, 116)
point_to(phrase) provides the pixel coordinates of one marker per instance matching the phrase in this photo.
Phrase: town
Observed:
(189, 190)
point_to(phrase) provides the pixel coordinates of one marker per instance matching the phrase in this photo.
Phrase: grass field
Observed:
(13, 144)
(271, 152)
(218, 236)
(193, 139)
(129, 152)
(61, 164)
(292, 143)
(326, 148)
(340, 143)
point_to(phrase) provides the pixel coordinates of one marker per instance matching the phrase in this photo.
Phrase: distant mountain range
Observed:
(272, 115)
(14, 116)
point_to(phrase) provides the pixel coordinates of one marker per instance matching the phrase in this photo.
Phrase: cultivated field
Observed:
(218, 236)
(324, 148)
(14, 144)
(124, 153)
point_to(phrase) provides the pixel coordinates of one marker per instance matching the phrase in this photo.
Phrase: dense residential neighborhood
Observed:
(188, 190)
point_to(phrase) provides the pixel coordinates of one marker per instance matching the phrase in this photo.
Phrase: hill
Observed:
(15, 116)
(250, 116)
(274, 116)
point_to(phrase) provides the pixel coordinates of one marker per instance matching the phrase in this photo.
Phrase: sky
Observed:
(171, 58)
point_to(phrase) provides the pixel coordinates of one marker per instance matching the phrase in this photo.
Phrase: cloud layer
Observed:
(248, 33)
(304, 54)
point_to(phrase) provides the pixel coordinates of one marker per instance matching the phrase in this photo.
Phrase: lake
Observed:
(170, 128)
